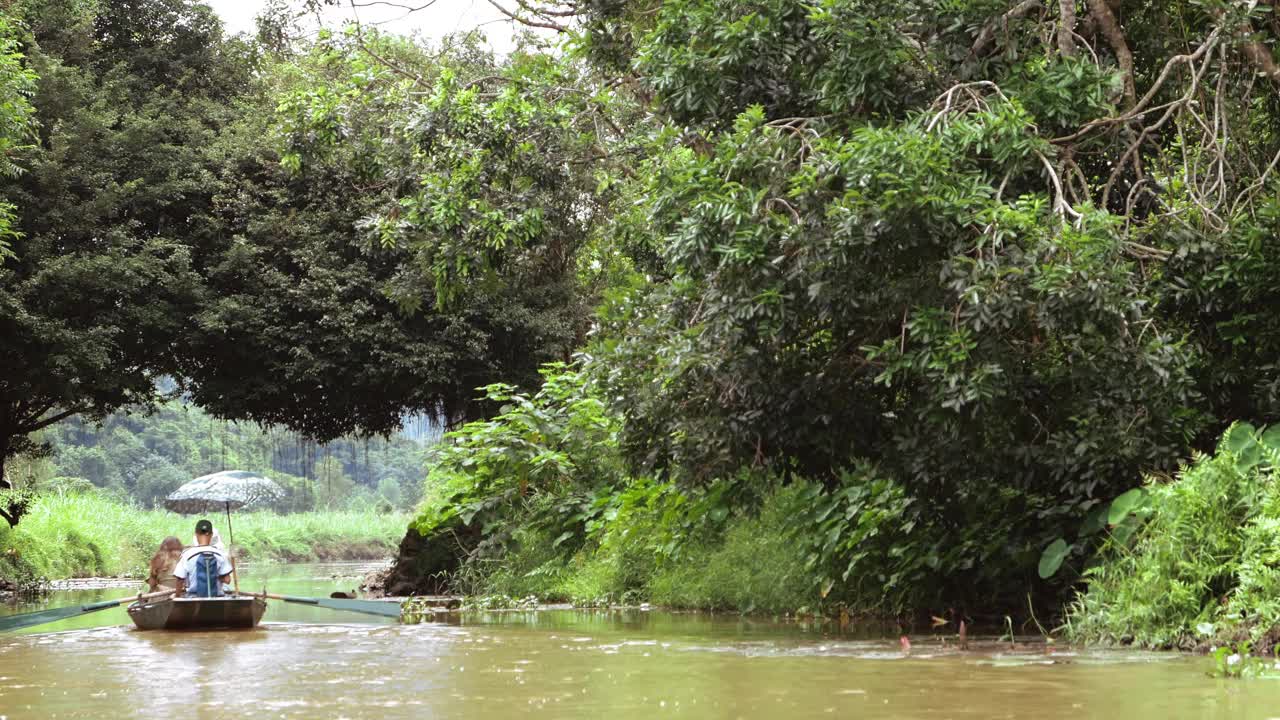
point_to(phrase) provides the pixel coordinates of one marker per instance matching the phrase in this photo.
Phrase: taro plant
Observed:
(1120, 518)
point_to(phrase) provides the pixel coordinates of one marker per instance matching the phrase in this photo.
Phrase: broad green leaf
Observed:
(1242, 436)
(1052, 557)
(1249, 457)
(1122, 532)
(1125, 504)
(1271, 437)
(1095, 520)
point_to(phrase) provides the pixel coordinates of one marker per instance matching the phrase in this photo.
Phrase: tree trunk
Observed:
(10, 511)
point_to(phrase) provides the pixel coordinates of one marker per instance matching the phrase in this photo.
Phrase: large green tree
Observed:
(326, 237)
(406, 229)
(93, 305)
(17, 82)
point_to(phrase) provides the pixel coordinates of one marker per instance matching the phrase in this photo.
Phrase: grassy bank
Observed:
(81, 535)
(746, 563)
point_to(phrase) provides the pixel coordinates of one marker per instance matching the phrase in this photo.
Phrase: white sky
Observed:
(440, 18)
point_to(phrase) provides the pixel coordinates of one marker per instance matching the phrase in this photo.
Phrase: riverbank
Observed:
(1199, 568)
(746, 562)
(90, 535)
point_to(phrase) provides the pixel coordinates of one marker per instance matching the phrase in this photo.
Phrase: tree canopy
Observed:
(285, 231)
(104, 267)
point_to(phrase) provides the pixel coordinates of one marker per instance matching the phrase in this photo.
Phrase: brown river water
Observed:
(309, 663)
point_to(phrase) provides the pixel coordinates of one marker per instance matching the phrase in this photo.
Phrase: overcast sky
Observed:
(440, 18)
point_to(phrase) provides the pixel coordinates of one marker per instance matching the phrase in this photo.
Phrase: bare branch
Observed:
(548, 12)
(55, 418)
(1140, 108)
(1197, 74)
(1248, 193)
(975, 101)
(408, 8)
(544, 23)
(418, 80)
(1060, 204)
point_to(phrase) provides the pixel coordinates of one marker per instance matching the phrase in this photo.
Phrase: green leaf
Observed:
(1125, 504)
(1095, 520)
(1250, 457)
(1241, 437)
(1052, 557)
(1122, 532)
(1271, 437)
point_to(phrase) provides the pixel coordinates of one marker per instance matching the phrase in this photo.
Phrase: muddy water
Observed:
(306, 663)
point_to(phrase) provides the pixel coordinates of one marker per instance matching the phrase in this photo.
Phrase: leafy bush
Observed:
(757, 565)
(559, 445)
(1203, 567)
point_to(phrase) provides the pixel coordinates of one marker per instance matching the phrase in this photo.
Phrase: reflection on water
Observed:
(305, 663)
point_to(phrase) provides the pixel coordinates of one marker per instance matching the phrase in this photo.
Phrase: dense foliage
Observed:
(973, 270)
(923, 288)
(344, 295)
(16, 84)
(102, 275)
(167, 226)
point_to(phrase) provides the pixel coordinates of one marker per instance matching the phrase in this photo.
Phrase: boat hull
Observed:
(199, 613)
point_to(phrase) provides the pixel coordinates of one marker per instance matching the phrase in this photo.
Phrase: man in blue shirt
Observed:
(204, 567)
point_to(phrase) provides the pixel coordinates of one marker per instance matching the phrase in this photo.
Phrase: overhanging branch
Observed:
(544, 22)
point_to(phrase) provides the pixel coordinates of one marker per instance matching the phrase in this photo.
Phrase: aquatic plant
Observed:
(1235, 661)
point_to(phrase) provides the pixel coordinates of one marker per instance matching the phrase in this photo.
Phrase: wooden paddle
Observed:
(368, 607)
(14, 622)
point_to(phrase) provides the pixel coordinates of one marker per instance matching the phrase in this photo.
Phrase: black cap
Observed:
(204, 527)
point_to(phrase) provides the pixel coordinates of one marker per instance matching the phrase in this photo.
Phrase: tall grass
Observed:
(81, 535)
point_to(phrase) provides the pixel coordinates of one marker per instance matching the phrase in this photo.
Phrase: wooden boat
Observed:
(243, 611)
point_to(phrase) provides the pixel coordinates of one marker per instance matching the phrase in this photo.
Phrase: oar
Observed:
(14, 622)
(368, 607)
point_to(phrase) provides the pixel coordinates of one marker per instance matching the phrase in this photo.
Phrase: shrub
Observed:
(1202, 568)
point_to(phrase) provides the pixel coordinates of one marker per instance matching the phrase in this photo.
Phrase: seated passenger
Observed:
(163, 563)
(203, 568)
(216, 542)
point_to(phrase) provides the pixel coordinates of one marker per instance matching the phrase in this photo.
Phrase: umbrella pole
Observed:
(235, 579)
